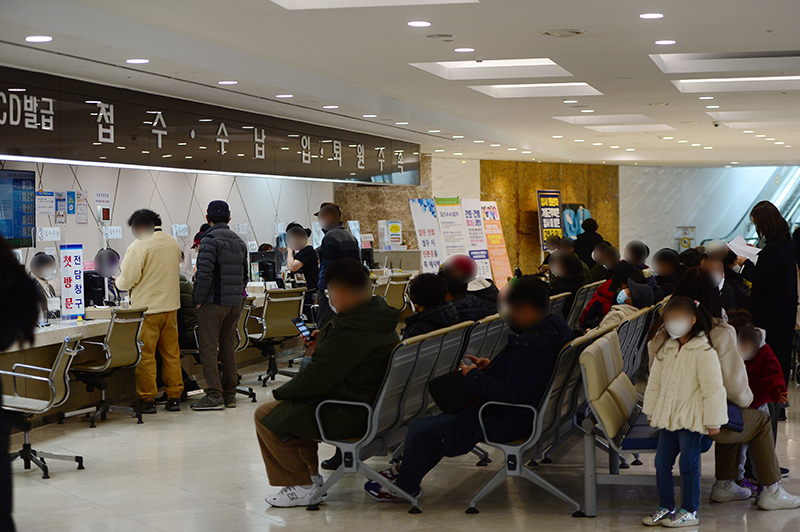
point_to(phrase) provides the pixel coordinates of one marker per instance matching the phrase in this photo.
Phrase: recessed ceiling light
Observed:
(369, 116)
(145, 151)
(651, 16)
(478, 141)
(667, 138)
(330, 106)
(526, 151)
(187, 156)
(464, 50)
(293, 136)
(240, 154)
(695, 145)
(578, 140)
(712, 106)
(137, 61)
(419, 24)
(780, 143)
(629, 149)
(205, 120)
(570, 101)
(227, 82)
(120, 147)
(438, 151)
(202, 147)
(284, 95)
(181, 144)
(92, 102)
(597, 143)
(98, 143)
(401, 123)
(748, 131)
(434, 131)
(770, 138)
(706, 97)
(458, 136)
(787, 146)
(665, 42)
(168, 155)
(682, 141)
(614, 147)
(494, 145)
(760, 136)
(103, 157)
(38, 38)
(587, 110)
(734, 162)
(511, 149)
(284, 147)
(458, 153)
(16, 90)
(708, 147)
(558, 136)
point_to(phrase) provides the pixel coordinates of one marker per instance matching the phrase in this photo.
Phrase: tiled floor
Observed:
(202, 471)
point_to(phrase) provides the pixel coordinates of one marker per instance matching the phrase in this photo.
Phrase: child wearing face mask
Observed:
(686, 399)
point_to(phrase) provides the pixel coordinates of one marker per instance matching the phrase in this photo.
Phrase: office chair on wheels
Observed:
(280, 307)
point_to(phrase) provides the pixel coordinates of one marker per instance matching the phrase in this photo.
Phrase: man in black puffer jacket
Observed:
(428, 292)
(218, 293)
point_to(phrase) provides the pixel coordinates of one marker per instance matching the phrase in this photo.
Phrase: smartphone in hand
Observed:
(302, 327)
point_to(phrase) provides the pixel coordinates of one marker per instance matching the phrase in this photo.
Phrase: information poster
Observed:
(476, 238)
(355, 228)
(82, 207)
(550, 222)
(423, 212)
(395, 233)
(71, 281)
(61, 207)
(496, 243)
(451, 227)
(45, 203)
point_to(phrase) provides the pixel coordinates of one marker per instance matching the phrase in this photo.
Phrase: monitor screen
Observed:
(18, 207)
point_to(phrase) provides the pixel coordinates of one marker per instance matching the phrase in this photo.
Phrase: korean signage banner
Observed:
(451, 226)
(476, 238)
(550, 222)
(71, 281)
(496, 242)
(71, 120)
(423, 212)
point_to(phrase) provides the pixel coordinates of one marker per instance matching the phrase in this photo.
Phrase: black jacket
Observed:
(470, 308)
(489, 296)
(431, 319)
(774, 278)
(740, 289)
(567, 284)
(222, 267)
(728, 297)
(667, 283)
(584, 245)
(519, 374)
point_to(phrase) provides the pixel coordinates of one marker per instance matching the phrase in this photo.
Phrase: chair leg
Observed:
(589, 471)
(40, 464)
(547, 486)
(483, 455)
(335, 477)
(636, 460)
(496, 480)
(383, 481)
(66, 458)
(248, 392)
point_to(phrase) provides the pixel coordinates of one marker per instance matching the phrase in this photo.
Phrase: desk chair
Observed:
(395, 291)
(280, 307)
(19, 409)
(121, 348)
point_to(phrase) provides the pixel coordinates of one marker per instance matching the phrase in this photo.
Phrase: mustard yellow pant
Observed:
(159, 331)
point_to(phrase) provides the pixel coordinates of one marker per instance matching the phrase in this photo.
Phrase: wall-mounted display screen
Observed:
(18, 207)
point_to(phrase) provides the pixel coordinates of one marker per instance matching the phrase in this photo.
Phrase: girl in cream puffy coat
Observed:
(686, 399)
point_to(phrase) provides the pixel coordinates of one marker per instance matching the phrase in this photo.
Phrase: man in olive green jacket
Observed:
(350, 357)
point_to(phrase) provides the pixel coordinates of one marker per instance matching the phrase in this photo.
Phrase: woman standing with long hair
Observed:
(773, 299)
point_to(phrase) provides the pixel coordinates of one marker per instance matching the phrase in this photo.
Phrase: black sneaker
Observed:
(333, 463)
(144, 407)
(173, 405)
(784, 472)
(230, 401)
(161, 399)
(209, 403)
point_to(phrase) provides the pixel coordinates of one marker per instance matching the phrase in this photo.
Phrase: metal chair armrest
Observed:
(83, 342)
(14, 376)
(367, 407)
(26, 366)
(511, 405)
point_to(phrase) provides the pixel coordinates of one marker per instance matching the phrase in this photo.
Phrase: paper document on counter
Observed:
(742, 249)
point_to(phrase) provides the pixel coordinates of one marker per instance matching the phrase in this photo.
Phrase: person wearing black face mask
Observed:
(518, 374)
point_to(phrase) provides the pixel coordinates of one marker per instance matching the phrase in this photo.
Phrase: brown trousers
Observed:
(288, 461)
(217, 338)
(159, 331)
(758, 435)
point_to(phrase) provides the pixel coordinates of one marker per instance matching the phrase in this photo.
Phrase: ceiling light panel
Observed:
(730, 62)
(770, 83)
(537, 90)
(772, 124)
(494, 69)
(636, 128)
(605, 119)
(343, 4)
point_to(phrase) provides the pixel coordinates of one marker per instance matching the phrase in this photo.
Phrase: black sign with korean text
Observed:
(51, 117)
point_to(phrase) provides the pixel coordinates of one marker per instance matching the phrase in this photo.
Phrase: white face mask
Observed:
(737, 268)
(678, 327)
(50, 276)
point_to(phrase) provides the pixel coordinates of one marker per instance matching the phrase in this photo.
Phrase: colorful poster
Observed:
(550, 222)
(71, 201)
(476, 238)
(451, 227)
(71, 281)
(423, 212)
(496, 243)
(81, 207)
(395, 233)
(45, 203)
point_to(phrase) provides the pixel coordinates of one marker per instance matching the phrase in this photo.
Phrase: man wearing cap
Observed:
(338, 243)
(218, 289)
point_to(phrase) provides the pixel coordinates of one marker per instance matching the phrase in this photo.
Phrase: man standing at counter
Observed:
(338, 243)
(220, 282)
(150, 273)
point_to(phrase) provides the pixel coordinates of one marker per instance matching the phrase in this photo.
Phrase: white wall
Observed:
(180, 198)
(456, 177)
(654, 201)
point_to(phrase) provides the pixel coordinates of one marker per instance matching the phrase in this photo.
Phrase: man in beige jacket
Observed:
(150, 273)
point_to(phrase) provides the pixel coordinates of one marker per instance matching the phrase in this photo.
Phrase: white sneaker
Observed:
(774, 497)
(293, 496)
(682, 518)
(728, 490)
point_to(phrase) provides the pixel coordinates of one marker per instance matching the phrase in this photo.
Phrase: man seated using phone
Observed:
(519, 375)
(350, 356)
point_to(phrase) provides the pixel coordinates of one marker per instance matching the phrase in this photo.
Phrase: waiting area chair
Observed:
(120, 348)
(557, 303)
(280, 308)
(395, 291)
(582, 297)
(19, 408)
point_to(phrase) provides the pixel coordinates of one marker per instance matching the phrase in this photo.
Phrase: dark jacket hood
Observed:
(374, 315)
(553, 330)
(436, 317)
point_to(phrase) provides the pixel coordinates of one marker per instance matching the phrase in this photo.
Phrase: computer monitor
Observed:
(368, 257)
(263, 266)
(18, 207)
(94, 287)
